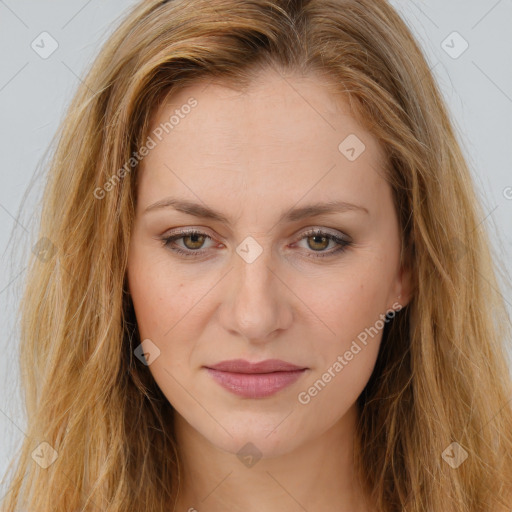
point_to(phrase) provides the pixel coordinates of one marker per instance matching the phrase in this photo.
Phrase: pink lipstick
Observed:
(255, 380)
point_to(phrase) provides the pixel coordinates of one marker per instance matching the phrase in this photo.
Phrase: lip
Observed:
(243, 366)
(255, 380)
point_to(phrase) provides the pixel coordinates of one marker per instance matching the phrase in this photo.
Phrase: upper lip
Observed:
(243, 366)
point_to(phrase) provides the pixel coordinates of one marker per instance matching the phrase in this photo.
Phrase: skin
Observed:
(251, 156)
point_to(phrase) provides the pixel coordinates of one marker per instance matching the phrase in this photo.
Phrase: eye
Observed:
(193, 240)
(317, 240)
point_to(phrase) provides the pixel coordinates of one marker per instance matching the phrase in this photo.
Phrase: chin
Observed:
(254, 436)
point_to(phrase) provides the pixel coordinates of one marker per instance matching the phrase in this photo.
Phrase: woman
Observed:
(265, 282)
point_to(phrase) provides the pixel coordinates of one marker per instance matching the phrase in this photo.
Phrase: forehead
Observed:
(270, 106)
(284, 135)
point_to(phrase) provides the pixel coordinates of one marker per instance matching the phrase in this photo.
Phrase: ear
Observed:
(403, 287)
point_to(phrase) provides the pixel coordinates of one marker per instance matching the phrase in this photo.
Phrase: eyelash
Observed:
(342, 243)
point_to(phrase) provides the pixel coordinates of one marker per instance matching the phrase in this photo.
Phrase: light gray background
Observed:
(34, 93)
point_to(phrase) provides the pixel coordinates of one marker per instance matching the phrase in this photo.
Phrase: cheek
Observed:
(161, 295)
(350, 309)
(350, 301)
(163, 303)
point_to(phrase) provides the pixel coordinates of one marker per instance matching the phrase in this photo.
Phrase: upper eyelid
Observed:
(304, 231)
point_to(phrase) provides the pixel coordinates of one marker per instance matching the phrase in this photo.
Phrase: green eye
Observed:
(193, 241)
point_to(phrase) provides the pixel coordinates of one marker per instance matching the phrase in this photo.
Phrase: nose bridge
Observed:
(253, 272)
(253, 264)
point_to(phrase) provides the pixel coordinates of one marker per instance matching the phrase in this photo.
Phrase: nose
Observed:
(256, 301)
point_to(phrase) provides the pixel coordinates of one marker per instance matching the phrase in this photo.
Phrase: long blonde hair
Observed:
(442, 375)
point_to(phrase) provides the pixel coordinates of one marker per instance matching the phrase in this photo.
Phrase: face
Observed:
(264, 276)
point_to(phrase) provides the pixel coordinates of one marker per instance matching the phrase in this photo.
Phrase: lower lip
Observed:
(255, 385)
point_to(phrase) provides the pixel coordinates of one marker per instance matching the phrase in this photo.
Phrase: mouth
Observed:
(255, 380)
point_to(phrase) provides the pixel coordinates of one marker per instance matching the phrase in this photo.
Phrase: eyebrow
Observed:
(291, 215)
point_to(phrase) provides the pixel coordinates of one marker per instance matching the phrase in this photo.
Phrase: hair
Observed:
(442, 373)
